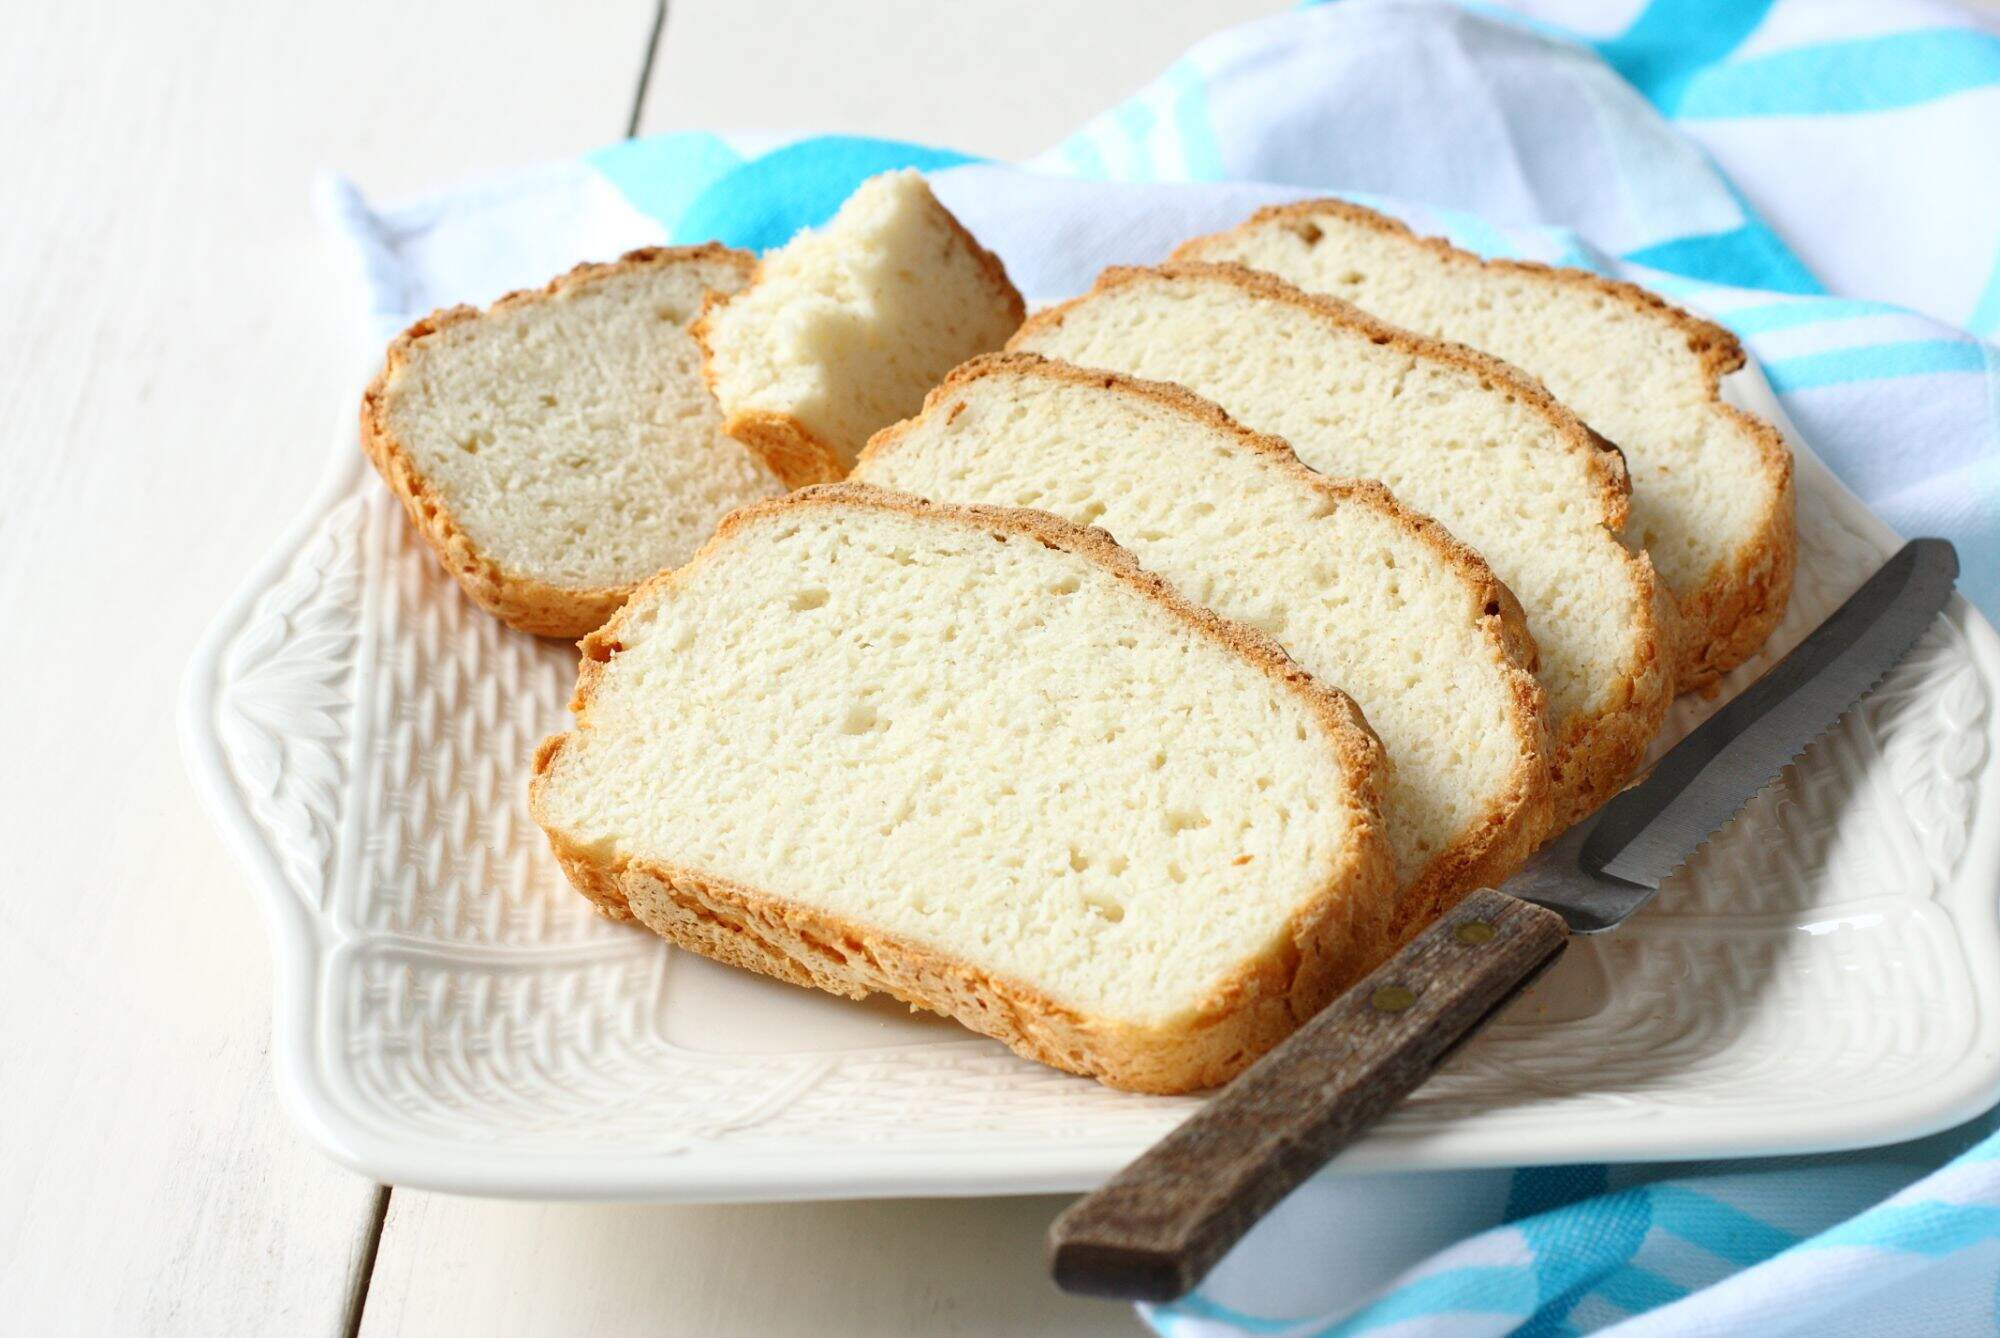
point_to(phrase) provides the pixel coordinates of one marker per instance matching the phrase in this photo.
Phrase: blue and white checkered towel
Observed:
(1821, 175)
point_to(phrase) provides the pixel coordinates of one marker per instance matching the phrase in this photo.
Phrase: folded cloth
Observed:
(1819, 175)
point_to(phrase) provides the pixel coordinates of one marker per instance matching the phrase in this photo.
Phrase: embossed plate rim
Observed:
(304, 1033)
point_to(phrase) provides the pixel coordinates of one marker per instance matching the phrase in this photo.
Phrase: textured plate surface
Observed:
(1824, 974)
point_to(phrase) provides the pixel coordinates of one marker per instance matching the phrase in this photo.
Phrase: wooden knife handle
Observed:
(1156, 1228)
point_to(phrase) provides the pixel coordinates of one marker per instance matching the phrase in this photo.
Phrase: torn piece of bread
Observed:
(1366, 596)
(1455, 435)
(846, 327)
(560, 447)
(977, 759)
(1711, 485)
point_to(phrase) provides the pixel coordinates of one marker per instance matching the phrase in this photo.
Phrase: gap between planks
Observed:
(357, 1301)
(357, 1304)
(646, 68)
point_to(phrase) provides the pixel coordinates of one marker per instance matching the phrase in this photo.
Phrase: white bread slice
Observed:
(1365, 595)
(1712, 486)
(560, 447)
(848, 325)
(979, 760)
(1455, 435)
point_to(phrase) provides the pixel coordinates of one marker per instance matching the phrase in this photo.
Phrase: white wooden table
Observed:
(176, 345)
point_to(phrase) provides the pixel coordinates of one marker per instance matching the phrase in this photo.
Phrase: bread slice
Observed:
(560, 447)
(1455, 435)
(1712, 486)
(1363, 594)
(847, 326)
(981, 761)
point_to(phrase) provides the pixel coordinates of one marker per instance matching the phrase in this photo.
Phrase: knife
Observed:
(1156, 1228)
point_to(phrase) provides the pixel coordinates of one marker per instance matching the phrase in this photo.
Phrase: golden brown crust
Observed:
(1728, 616)
(1592, 756)
(996, 271)
(1605, 461)
(799, 456)
(1332, 940)
(1734, 611)
(789, 448)
(523, 602)
(1508, 833)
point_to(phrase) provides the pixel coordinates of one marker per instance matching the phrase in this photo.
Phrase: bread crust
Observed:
(1496, 845)
(996, 270)
(799, 456)
(522, 601)
(1591, 755)
(1728, 616)
(1331, 940)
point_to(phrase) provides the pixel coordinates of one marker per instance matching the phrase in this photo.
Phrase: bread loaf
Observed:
(560, 447)
(1453, 434)
(1364, 595)
(1711, 485)
(979, 760)
(847, 326)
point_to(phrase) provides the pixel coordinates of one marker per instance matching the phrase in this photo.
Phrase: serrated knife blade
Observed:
(1648, 831)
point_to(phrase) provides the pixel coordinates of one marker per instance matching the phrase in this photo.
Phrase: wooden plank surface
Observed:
(178, 343)
(1000, 81)
(939, 1268)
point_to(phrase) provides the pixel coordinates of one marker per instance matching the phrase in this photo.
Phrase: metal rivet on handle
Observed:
(1392, 998)
(1474, 931)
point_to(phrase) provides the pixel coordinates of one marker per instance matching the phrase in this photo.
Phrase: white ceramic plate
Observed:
(450, 1015)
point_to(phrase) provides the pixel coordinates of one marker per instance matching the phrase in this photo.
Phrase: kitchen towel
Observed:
(1823, 176)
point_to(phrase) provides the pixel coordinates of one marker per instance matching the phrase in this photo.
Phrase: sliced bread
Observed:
(1364, 595)
(1455, 435)
(848, 325)
(560, 447)
(979, 760)
(1712, 486)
